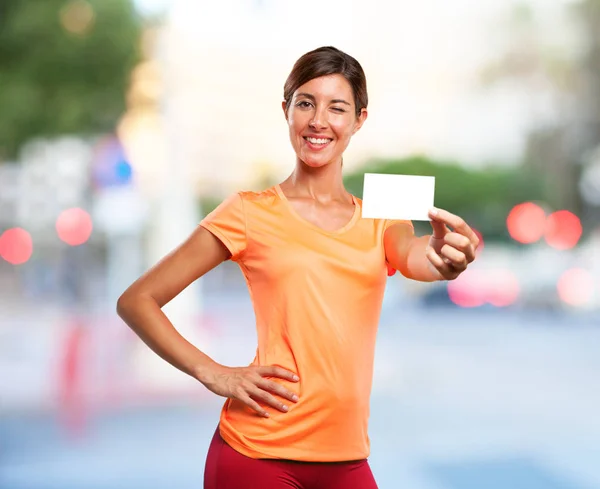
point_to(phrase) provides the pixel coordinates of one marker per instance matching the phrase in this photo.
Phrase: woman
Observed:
(297, 416)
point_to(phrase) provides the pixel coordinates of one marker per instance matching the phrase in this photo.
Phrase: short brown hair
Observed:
(325, 61)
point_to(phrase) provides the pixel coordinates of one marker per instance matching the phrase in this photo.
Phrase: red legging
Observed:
(228, 469)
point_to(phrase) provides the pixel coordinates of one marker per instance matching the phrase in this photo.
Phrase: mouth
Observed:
(317, 143)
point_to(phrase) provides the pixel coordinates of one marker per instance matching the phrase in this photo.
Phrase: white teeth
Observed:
(317, 141)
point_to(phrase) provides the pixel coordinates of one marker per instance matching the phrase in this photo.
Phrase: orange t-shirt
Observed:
(317, 299)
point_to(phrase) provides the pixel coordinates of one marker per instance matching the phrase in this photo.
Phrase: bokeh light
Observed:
(77, 17)
(526, 222)
(467, 290)
(503, 288)
(16, 246)
(472, 288)
(563, 230)
(74, 226)
(576, 287)
(110, 166)
(123, 171)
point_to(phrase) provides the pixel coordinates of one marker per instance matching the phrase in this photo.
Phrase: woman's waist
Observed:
(314, 399)
(320, 424)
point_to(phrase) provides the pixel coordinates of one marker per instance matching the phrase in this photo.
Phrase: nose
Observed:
(319, 119)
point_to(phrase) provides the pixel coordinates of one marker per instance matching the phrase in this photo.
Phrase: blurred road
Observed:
(462, 399)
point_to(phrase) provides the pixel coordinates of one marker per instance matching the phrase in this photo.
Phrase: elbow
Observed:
(408, 273)
(123, 305)
(129, 304)
(401, 265)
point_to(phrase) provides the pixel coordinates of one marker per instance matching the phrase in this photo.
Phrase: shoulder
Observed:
(254, 196)
(256, 200)
(246, 203)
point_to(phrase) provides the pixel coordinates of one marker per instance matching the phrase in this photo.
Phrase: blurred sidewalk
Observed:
(461, 400)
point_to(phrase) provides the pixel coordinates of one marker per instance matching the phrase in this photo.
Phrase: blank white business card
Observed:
(388, 196)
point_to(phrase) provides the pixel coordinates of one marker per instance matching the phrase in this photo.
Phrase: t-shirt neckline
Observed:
(309, 224)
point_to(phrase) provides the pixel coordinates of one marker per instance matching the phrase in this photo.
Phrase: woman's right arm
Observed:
(140, 307)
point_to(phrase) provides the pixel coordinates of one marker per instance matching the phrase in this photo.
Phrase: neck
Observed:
(324, 183)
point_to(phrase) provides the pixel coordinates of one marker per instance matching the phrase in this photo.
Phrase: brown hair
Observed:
(325, 61)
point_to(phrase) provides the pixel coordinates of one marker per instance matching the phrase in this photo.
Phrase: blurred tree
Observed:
(208, 203)
(587, 126)
(482, 197)
(565, 70)
(64, 67)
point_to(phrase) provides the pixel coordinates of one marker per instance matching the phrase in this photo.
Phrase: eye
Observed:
(338, 109)
(303, 104)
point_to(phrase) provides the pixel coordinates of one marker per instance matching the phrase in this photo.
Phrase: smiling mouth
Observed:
(318, 141)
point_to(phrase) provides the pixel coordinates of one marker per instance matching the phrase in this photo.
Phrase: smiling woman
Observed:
(321, 116)
(325, 103)
(317, 272)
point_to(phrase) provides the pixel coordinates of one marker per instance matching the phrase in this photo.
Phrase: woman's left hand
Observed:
(450, 251)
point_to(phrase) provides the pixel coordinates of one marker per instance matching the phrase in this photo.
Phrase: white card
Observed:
(397, 196)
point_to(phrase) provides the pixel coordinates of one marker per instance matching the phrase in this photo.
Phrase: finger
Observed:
(439, 229)
(251, 403)
(457, 258)
(264, 396)
(274, 371)
(457, 223)
(438, 263)
(461, 243)
(278, 389)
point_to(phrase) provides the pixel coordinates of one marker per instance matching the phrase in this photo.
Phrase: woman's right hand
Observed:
(250, 384)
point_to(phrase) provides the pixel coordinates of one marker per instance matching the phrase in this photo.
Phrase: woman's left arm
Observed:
(443, 255)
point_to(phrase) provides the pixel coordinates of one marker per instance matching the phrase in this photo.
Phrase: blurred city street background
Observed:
(123, 122)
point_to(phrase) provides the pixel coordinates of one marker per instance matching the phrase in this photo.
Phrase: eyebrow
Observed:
(333, 101)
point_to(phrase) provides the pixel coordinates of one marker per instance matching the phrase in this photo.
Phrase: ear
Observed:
(284, 109)
(360, 120)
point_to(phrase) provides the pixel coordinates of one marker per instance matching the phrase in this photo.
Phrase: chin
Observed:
(315, 162)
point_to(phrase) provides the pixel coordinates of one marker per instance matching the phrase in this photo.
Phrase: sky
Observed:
(152, 6)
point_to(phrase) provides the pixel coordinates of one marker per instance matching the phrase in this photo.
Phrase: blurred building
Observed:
(50, 177)
(221, 69)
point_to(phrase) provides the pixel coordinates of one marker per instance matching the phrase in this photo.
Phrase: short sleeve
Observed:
(228, 223)
(391, 222)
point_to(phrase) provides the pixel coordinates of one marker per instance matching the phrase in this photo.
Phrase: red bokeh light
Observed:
(74, 226)
(526, 222)
(16, 246)
(503, 288)
(499, 288)
(563, 230)
(467, 289)
(576, 286)
(481, 244)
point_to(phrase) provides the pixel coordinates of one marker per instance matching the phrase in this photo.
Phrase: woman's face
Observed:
(322, 119)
